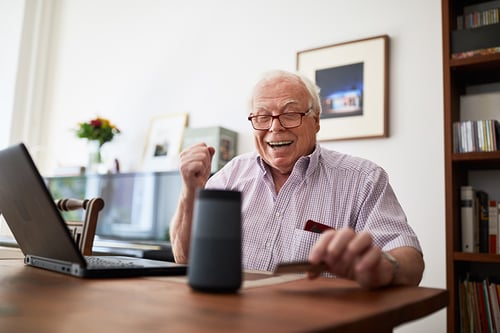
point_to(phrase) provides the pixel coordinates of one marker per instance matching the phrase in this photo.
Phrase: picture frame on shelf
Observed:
(224, 140)
(163, 142)
(353, 78)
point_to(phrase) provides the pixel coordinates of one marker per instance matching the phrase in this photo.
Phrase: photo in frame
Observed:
(353, 80)
(163, 142)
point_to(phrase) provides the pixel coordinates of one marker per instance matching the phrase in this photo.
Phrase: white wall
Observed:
(130, 60)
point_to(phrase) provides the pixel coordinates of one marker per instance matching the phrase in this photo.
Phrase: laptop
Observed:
(41, 232)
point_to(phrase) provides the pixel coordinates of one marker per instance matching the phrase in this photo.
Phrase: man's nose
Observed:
(276, 124)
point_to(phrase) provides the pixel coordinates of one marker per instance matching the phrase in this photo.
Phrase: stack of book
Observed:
(475, 136)
(479, 306)
(479, 221)
(479, 15)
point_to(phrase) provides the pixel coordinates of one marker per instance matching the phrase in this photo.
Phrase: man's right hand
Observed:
(196, 164)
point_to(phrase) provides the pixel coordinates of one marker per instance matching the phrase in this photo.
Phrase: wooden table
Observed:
(36, 300)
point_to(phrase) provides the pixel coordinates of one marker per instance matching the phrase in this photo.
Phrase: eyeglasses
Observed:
(287, 120)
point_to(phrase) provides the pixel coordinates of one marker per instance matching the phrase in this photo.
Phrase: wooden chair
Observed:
(83, 231)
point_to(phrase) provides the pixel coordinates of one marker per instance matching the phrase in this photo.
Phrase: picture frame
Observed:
(353, 78)
(163, 142)
(223, 139)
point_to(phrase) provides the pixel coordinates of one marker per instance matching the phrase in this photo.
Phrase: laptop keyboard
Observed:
(111, 262)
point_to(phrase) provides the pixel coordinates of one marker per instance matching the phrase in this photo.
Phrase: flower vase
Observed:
(95, 163)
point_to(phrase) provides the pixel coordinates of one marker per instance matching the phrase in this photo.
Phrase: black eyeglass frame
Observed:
(302, 114)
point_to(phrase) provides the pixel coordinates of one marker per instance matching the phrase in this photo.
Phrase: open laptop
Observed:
(42, 234)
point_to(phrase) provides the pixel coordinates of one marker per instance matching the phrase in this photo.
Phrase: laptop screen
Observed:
(138, 206)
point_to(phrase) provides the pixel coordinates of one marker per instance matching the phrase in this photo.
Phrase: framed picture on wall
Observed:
(163, 142)
(353, 82)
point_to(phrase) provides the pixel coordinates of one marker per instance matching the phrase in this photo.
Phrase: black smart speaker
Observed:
(215, 248)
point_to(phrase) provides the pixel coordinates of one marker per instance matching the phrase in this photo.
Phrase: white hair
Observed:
(310, 86)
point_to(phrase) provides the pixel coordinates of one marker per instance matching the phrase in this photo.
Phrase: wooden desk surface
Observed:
(36, 300)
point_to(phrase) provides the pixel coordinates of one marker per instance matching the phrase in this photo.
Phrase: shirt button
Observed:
(268, 245)
(277, 214)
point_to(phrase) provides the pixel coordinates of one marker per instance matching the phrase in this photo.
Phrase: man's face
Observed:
(278, 146)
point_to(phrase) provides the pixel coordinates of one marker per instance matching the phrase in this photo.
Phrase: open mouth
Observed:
(278, 144)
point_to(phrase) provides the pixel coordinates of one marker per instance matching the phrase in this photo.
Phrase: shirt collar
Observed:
(305, 165)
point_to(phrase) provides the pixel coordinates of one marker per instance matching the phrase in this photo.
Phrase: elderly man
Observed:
(301, 201)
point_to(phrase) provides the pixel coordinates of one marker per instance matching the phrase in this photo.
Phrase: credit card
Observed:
(316, 227)
(300, 267)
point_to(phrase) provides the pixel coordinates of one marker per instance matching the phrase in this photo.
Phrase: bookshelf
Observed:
(459, 74)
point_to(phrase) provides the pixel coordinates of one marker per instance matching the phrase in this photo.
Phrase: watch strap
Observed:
(394, 262)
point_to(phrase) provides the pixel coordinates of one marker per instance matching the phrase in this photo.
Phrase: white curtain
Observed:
(27, 111)
(25, 38)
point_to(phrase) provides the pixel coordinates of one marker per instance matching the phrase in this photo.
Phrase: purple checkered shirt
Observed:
(327, 187)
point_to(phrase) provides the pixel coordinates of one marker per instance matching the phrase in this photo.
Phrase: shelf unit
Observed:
(458, 74)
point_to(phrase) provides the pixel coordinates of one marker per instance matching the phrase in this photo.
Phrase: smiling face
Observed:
(280, 147)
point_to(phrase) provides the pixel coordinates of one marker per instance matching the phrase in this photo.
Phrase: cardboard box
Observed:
(224, 140)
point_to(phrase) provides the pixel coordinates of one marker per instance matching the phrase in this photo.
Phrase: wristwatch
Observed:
(394, 263)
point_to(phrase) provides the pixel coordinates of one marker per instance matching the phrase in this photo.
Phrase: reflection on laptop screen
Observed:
(138, 206)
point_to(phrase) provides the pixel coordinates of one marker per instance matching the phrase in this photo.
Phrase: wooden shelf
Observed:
(477, 257)
(458, 76)
(475, 161)
(476, 62)
(477, 156)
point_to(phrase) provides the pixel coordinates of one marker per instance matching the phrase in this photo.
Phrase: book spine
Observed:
(456, 137)
(495, 309)
(487, 306)
(476, 135)
(493, 226)
(468, 227)
(496, 131)
(483, 220)
(480, 135)
(489, 137)
(498, 228)
(473, 313)
(481, 307)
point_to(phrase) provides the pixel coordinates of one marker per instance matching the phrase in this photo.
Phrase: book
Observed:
(493, 226)
(462, 308)
(487, 306)
(482, 139)
(469, 225)
(498, 228)
(466, 306)
(477, 307)
(495, 307)
(483, 221)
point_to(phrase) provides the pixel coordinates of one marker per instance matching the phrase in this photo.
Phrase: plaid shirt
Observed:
(327, 187)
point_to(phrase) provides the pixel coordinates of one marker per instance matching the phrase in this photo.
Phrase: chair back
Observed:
(83, 231)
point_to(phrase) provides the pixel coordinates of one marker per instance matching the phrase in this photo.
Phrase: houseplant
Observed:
(97, 131)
